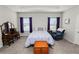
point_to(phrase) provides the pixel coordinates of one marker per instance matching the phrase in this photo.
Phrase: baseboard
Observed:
(77, 43)
(24, 34)
(70, 41)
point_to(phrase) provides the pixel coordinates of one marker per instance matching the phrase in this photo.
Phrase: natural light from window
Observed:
(53, 22)
(26, 24)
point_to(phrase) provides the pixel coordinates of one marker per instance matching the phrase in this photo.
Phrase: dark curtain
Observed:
(21, 25)
(30, 19)
(58, 23)
(48, 23)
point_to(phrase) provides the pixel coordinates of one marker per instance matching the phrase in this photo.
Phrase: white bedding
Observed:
(39, 35)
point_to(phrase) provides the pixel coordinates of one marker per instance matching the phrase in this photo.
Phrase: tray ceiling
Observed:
(39, 8)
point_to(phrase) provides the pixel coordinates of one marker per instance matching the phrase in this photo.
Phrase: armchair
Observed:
(58, 35)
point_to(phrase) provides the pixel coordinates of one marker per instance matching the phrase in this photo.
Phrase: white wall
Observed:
(70, 28)
(7, 15)
(77, 29)
(39, 18)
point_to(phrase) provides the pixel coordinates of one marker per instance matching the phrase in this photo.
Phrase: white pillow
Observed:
(60, 29)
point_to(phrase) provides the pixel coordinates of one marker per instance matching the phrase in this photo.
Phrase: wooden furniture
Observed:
(41, 47)
(9, 33)
(9, 38)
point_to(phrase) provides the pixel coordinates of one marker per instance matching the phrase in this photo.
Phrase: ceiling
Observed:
(39, 8)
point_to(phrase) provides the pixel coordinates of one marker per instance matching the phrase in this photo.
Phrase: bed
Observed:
(39, 36)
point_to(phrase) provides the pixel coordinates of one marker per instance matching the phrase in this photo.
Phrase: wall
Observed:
(77, 28)
(70, 28)
(7, 15)
(39, 18)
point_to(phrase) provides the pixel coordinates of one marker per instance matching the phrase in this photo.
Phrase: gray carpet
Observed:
(60, 47)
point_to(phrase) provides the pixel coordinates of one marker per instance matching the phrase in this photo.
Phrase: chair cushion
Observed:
(60, 29)
(58, 33)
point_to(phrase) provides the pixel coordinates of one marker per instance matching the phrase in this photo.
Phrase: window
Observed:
(26, 24)
(53, 22)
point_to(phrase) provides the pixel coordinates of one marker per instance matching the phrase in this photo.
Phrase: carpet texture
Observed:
(60, 47)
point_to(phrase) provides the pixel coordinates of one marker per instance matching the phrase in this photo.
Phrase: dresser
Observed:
(9, 34)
